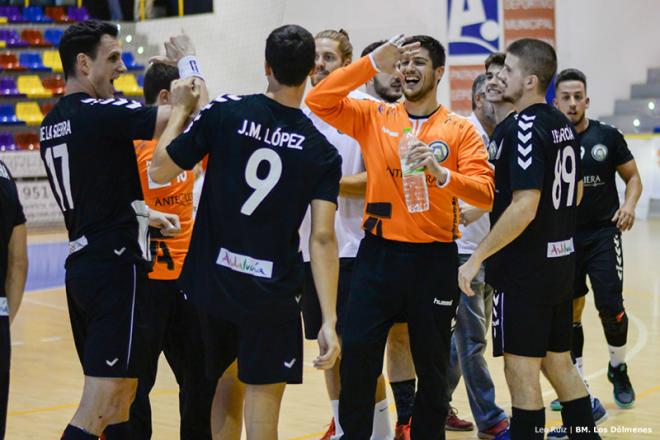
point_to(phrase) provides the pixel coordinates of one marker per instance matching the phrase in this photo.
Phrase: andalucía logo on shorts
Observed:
(440, 150)
(599, 152)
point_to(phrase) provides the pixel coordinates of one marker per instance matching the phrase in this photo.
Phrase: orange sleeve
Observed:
(474, 181)
(329, 99)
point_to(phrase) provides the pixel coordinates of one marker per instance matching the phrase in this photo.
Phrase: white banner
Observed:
(39, 204)
(23, 163)
(646, 149)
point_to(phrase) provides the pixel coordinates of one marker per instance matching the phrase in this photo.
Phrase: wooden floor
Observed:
(46, 377)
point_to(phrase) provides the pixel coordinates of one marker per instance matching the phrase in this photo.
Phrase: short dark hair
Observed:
(496, 58)
(478, 83)
(537, 58)
(435, 49)
(367, 50)
(158, 77)
(83, 37)
(290, 53)
(571, 75)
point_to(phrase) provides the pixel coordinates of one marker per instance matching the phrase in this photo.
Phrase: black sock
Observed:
(118, 431)
(578, 341)
(527, 424)
(578, 418)
(74, 433)
(404, 397)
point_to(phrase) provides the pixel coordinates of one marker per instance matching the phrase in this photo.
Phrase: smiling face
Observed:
(103, 70)
(494, 85)
(572, 100)
(418, 75)
(328, 59)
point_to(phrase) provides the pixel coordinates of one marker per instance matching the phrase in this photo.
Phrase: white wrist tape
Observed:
(189, 66)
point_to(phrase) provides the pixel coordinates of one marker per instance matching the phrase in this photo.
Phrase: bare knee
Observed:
(523, 377)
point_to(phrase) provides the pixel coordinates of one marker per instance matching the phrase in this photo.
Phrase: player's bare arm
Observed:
(470, 214)
(325, 269)
(353, 186)
(625, 215)
(511, 224)
(17, 266)
(185, 95)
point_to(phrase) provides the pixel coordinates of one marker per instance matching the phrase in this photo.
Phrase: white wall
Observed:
(613, 41)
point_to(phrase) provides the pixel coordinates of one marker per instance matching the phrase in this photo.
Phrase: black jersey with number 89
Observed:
(266, 163)
(540, 151)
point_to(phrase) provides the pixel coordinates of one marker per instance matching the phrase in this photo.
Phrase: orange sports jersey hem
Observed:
(378, 127)
(175, 197)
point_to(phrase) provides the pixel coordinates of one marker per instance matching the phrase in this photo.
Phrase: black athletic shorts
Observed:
(528, 329)
(5, 355)
(311, 308)
(268, 353)
(105, 309)
(600, 256)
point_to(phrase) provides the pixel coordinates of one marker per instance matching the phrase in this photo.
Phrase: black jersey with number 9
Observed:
(266, 163)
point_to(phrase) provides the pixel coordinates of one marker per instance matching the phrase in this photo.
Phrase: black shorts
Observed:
(268, 353)
(311, 308)
(528, 329)
(600, 256)
(5, 346)
(105, 309)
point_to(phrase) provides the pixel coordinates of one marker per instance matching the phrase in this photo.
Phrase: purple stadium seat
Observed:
(13, 14)
(7, 142)
(78, 14)
(11, 38)
(8, 87)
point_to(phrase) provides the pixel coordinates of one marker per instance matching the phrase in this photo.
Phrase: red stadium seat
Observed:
(34, 38)
(54, 83)
(27, 141)
(58, 14)
(9, 61)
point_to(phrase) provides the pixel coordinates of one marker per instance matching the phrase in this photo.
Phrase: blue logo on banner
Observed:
(474, 27)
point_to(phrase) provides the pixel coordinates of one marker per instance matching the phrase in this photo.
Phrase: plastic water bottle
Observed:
(414, 179)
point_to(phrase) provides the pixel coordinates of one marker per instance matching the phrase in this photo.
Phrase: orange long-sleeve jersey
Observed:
(378, 128)
(174, 197)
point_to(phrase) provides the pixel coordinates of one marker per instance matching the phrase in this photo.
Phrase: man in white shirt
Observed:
(333, 51)
(473, 315)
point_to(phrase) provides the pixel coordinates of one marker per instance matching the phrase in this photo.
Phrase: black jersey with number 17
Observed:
(540, 151)
(267, 162)
(87, 149)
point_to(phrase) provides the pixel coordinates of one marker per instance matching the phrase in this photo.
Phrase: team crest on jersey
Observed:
(599, 152)
(440, 150)
(492, 150)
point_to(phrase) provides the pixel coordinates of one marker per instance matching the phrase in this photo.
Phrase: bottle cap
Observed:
(407, 130)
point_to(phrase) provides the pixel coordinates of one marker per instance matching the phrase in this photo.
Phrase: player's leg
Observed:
(606, 275)
(431, 303)
(220, 348)
(157, 313)
(470, 340)
(262, 410)
(270, 355)
(376, 297)
(521, 331)
(559, 369)
(111, 347)
(227, 412)
(104, 402)
(183, 350)
(401, 372)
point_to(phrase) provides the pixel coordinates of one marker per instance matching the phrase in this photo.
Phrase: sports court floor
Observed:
(46, 378)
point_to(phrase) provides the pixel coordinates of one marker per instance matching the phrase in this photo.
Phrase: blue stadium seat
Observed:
(34, 14)
(32, 61)
(8, 116)
(130, 62)
(53, 36)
